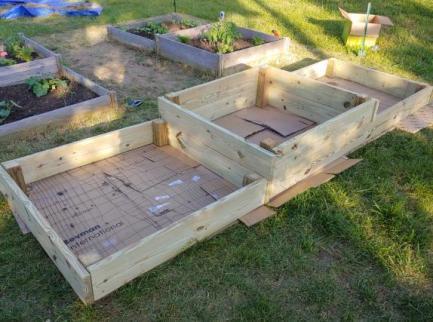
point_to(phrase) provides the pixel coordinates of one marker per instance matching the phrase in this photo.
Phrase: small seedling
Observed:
(257, 41)
(42, 86)
(184, 39)
(16, 49)
(6, 109)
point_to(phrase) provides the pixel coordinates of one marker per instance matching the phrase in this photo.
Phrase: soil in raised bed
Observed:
(170, 25)
(31, 105)
(239, 44)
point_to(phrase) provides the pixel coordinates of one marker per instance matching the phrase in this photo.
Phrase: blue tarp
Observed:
(13, 9)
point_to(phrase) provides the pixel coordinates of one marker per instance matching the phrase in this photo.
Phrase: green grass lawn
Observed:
(357, 248)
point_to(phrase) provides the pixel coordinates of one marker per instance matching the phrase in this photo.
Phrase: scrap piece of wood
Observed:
(261, 88)
(257, 215)
(340, 165)
(311, 182)
(268, 144)
(16, 173)
(250, 178)
(160, 133)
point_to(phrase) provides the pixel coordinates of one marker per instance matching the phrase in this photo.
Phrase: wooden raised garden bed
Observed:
(283, 126)
(41, 57)
(246, 53)
(109, 208)
(398, 97)
(80, 99)
(133, 34)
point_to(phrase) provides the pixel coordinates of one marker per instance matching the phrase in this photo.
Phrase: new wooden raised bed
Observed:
(126, 35)
(171, 47)
(283, 126)
(45, 57)
(94, 99)
(398, 97)
(109, 208)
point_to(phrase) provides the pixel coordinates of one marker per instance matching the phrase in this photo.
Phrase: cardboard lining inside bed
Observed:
(101, 208)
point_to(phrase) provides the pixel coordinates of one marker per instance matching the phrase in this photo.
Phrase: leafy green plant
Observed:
(188, 23)
(42, 86)
(257, 41)
(222, 35)
(7, 61)
(6, 109)
(153, 28)
(18, 50)
(183, 39)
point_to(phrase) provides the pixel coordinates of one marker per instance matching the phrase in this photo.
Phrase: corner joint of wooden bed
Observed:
(16, 173)
(160, 132)
(250, 178)
(261, 100)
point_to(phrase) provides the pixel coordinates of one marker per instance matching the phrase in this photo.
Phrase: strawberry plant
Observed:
(16, 49)
(6, 109)
(188, 23)
(7, 61)
(42, 86)
(183, 39)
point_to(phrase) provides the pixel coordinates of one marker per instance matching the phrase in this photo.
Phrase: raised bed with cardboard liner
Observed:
(96, 101)
(171, 47)
(109, 208)
(282, 126)
(123, 34)
(398, 97)
(44, 58)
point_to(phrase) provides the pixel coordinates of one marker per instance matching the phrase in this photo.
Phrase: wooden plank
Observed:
(304, 154)
(388, 119)
(130, 39)
(261, 99)
(217, 138)
(40, 49)
(232, 90)
(385, 82)
(77, 276)
(313, 90)
(340, 165)
(69, 73)
(315, 70)
(160, 132)
(210, 158)
(50, 162)
(71, 113)
(16, 173)
(17, 74)
(257, 215)
(120, 268)
(313, 110)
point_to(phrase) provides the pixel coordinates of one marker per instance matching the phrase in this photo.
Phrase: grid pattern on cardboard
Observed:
(417, 121)
(103, 207)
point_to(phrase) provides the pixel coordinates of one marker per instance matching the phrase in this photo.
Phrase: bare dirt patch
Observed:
(131, 73)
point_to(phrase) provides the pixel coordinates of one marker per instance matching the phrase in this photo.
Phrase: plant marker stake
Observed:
(174, 5)
(362, 51)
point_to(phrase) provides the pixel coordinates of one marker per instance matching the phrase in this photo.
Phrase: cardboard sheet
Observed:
(105, 206)
(238, 125)
(284, 123)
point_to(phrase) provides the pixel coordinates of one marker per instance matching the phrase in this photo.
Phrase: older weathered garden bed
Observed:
(48, 94)
(249, 48)
(142, 34)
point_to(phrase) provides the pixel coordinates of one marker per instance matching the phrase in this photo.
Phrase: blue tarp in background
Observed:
(13, 9)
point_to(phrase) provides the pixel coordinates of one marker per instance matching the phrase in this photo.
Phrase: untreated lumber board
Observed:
(160, 132)
(47, 163)
(257, 215)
